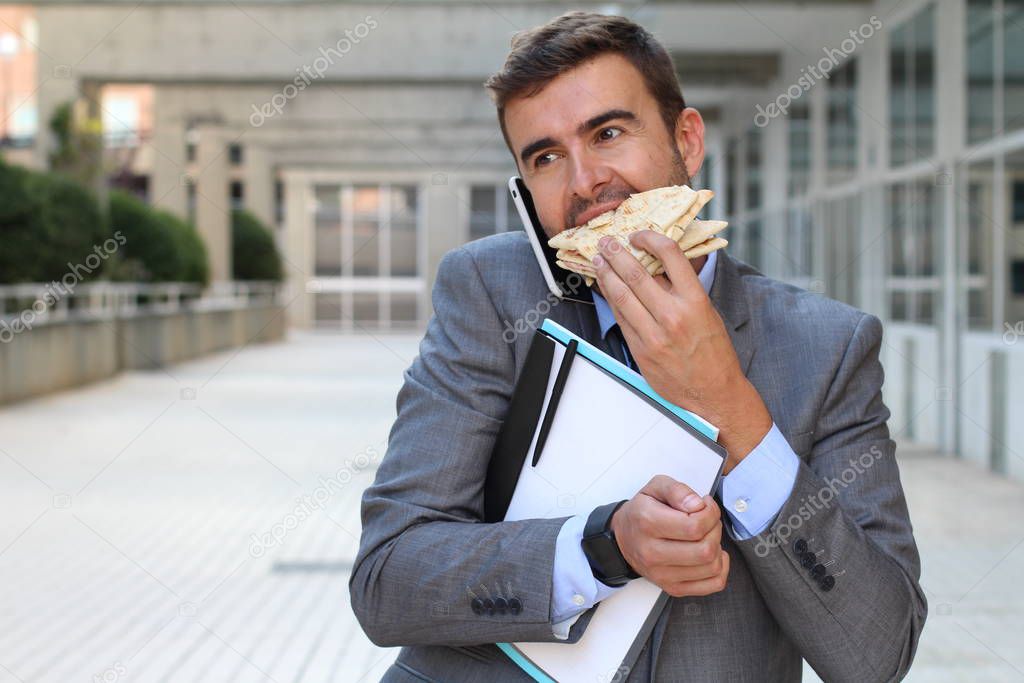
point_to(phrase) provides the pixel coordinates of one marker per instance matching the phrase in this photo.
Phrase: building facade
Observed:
(851, 155)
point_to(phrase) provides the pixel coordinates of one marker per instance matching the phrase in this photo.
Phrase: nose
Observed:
(589, 175)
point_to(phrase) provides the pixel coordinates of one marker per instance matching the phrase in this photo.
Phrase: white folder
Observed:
(611, 433)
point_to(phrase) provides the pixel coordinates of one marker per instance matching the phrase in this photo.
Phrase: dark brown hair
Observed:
(540, 54)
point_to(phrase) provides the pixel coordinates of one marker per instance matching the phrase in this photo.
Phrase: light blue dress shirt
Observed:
(752, 494)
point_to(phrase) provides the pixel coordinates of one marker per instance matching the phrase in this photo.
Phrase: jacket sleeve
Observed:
(425, 554)
(846, 518)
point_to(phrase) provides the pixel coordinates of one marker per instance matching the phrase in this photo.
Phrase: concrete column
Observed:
(950, 134)
(259, 183)
(167, 186)
(298, 249)
(777, 248)
(447, 202)
(213, 219)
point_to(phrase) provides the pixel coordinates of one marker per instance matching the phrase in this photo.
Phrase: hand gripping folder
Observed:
(584, 430)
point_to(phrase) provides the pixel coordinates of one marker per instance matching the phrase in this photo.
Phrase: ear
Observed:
(689, 138)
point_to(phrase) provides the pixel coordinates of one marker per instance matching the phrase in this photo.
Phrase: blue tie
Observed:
(619, 348)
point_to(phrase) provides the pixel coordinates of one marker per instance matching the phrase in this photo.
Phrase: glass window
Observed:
(367, 231)
(912, 89)
(1017, 199)
(327, 307)
(703, 179)
(799, 149)
(279, 202)
(483, 202)
(237, 194)
(364, 250)
(924, 212)
(753, 243)
(403, 231)
(914, 224)
(327, 222)
(1013, 220)
(366, 307)
(491, 210)
(753, 168)
(190, 202)
(842, 122)
(799, 243)
(1013, 64)
(731, 186)
(977, 251)
(899, 235)
(350, 243)
(980, 70)
(404, 307)
(841, 253)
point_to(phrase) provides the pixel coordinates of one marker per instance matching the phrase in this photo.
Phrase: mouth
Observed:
(597, 210)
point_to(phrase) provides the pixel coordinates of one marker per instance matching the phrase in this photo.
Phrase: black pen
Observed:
(556, 394)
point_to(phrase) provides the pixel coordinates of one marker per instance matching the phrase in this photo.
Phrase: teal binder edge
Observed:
(636, 380)
(627, 375)
(525, 664)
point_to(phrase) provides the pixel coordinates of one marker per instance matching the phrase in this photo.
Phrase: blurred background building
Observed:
(870, 151)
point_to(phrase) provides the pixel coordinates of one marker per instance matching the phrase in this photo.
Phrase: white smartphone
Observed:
(561, 282)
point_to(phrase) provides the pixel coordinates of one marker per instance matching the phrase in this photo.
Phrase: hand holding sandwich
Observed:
(679, 340)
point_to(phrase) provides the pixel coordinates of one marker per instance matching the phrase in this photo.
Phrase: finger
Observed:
(665, 283)
(673, 493)
(667, 574)
(686, 553)
(658, 520)
(703, 586)
(632, 274)
(677, 266)
(703, 560)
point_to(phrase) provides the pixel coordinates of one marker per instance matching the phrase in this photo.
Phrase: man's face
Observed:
(593, 136)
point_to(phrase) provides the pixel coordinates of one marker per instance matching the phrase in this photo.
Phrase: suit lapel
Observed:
(730, 300)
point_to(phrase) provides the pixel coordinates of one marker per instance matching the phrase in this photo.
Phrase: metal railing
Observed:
(41, 303)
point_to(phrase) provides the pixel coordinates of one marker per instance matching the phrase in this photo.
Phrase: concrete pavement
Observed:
(199, 523)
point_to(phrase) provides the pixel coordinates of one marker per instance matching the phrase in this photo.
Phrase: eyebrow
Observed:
(588, 125)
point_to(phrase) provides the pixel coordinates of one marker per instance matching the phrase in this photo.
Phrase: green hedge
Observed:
(50, 225)
(159, 246)
(254, 255)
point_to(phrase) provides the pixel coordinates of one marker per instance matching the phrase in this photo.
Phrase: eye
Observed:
(609, 133)
(542, 159)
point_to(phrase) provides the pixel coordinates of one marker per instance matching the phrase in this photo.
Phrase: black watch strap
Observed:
(601, 549)
(601, 518)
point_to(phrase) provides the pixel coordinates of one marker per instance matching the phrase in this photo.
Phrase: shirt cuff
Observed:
(574, 589)
(757, 488)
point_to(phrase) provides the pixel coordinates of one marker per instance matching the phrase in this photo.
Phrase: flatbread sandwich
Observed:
(671, 211)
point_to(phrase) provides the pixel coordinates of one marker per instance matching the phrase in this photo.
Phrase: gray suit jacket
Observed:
(425, 554)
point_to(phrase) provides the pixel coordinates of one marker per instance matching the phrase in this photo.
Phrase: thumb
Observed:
(674, 493)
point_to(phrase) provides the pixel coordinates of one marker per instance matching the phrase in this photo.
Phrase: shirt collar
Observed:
(606, 318)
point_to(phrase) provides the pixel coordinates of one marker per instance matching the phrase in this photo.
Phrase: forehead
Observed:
(605, 82)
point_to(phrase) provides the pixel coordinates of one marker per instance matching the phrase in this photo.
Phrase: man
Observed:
(814, 558)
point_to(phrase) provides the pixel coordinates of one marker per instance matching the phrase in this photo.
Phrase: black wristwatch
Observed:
(602, 550)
